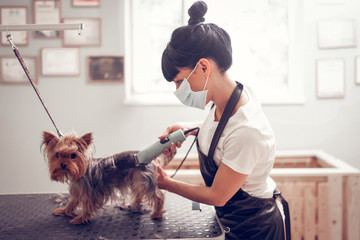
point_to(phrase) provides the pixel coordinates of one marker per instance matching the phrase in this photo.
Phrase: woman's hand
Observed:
(173, 128)
(170, 129)
(162, 177)
(183, 126)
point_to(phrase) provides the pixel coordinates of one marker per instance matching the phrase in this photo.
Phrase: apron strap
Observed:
(287, 218)
(229, 108)
(285, 204)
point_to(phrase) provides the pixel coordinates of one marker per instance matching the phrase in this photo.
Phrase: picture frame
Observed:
(105, 69)
(86, 3)
(357, 70)
(90, 37)
(14, 15)
(60, 61)
(11, 71)
(337, 34)
(330, 2)
(47, 12)
(330, 78)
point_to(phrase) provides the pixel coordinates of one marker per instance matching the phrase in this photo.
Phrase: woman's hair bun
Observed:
(197, 12)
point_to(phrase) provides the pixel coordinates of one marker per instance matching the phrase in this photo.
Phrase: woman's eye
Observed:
(73, 156)
(57, 155)
(179, 81)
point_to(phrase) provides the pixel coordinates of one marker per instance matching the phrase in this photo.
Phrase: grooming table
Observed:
(29, 216)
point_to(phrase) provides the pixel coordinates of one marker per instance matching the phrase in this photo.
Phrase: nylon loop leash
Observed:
(22, 63)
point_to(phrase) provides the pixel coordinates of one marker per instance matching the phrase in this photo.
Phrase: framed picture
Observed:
(60, 61)
(337, 34)
(90, 37)
(103, 69)
(86, 3)
(47, 12)
(330, 2)
(357, 70)
(14, 16)
(330, 75)
(13, 73)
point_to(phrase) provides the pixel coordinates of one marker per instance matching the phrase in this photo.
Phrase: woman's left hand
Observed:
(162, 177)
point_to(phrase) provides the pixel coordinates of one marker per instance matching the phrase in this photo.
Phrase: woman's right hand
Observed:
(183, 126)
(170, 129)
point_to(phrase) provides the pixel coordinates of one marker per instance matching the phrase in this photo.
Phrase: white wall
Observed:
(332, 125)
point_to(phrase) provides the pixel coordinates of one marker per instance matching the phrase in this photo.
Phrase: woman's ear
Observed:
(205, 66)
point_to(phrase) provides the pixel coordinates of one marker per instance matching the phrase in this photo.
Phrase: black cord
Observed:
(196, 136)
(190, 130)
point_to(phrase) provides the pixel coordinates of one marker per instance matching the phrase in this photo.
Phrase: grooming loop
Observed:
(22, 63)
(37, 27)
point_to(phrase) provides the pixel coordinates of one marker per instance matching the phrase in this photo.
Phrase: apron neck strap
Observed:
(229, 108)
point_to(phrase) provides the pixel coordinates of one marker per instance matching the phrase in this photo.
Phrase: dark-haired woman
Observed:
(236, 144)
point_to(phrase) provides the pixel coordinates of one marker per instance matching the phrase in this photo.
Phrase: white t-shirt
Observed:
(247, 145)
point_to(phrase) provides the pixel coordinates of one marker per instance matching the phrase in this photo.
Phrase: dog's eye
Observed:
(73, 156)
(57, 155)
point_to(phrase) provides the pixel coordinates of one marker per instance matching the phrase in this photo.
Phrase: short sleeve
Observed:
(243, 149)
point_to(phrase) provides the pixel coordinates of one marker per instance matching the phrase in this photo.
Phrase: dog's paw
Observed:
(158, 215)
(70, 213)
(134, 208)
(59, 212)
(80, 220)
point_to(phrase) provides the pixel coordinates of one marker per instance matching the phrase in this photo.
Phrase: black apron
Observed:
(244, 216)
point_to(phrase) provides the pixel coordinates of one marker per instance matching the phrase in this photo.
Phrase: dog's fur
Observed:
(94, 181)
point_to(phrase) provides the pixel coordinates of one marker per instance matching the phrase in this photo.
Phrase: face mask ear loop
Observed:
(192, 71)
(206, 83)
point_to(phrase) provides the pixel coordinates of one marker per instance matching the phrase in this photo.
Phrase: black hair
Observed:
(188, 44)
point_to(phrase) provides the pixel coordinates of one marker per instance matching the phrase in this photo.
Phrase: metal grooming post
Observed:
(37, 27)
(42, 27)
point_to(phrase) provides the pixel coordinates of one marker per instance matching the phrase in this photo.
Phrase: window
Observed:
(264, 34)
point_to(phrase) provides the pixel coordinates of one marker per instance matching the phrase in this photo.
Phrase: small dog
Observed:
(94, 181)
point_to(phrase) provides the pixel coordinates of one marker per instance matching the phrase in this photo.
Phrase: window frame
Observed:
(293, 94)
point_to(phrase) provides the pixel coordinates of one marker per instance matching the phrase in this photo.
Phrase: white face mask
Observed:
(190, 98)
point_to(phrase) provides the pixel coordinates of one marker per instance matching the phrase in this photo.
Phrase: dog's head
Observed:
(68, 157)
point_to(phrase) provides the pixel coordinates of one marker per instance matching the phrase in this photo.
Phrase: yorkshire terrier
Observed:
(94, 181)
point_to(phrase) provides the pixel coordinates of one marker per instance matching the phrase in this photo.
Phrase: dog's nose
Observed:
(63, 165)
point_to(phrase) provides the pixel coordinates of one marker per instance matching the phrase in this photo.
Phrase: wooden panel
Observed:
(280, 162)
(310, 204)
(286, 179)
(352, 191)
(296, 162)
(189, 163)
(293, 193)
(335, 195)
(323, 210)
(323, 205)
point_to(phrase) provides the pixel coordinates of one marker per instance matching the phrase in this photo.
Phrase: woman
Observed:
(236, 144)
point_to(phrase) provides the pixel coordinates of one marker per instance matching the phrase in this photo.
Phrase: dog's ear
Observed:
(87, 139)
(48, 137)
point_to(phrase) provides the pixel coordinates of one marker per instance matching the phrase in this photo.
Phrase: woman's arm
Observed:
(226, 183)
